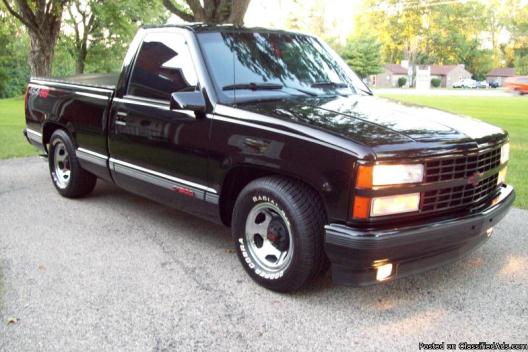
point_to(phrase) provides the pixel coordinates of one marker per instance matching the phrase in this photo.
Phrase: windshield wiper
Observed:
(305, 91)
(253, 86)
(265, 86)
(367, 92)
(329, 85)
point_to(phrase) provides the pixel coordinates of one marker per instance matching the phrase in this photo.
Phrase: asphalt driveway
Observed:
(115, 272)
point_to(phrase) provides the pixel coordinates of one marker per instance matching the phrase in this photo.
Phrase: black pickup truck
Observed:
(270, 132)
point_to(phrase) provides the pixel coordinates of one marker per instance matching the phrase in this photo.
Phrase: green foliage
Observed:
(521, 65)
(115, 24)
(477, 61)
(402, 81)
(363, 55)
(14, 46)
(63, 62)
(436, 82)
(333, 42)
(446, 32)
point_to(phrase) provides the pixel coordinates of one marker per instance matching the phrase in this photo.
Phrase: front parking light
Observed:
(365, 207)
(389, 205)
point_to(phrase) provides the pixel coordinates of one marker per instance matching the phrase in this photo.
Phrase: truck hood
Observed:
(387, 127)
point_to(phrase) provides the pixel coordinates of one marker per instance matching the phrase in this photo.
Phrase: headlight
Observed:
(395, 204)
(382, 175)
(505, 153)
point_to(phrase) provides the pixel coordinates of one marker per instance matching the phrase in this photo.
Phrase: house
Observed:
(499, 74)
(447, 74)
(389, 77)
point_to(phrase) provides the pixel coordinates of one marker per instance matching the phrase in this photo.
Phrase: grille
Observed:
(454, 197)
(457, 168)
(461, 167)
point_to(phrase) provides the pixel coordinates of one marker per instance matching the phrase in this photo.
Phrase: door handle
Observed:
(119, 118)
(255, 143)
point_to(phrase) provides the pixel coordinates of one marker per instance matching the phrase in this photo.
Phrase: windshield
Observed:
(249, 66)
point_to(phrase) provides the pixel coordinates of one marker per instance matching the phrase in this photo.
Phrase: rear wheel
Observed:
(68, 177)
(278, 227)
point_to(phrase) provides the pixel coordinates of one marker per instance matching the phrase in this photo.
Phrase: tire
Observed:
(278, 229)
(70, 180)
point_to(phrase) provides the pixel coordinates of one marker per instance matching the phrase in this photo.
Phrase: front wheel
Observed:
(278, 227)
(68, 177)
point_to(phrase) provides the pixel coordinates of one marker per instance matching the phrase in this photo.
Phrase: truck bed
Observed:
(96, 80)
(77, 103)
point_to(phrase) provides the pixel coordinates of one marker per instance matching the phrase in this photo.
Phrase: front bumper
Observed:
(355, 253)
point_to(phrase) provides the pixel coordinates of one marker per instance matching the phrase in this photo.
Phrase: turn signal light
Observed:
(361, 207)
(364, 177)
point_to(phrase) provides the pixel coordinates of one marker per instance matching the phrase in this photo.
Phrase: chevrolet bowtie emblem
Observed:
(475, 178)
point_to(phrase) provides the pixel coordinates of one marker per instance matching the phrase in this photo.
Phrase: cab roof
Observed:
(200, 27)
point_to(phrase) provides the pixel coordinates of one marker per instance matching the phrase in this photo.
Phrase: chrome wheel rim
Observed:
(268, 237)
(61, 165)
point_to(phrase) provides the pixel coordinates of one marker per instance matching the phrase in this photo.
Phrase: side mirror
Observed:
(193, 101)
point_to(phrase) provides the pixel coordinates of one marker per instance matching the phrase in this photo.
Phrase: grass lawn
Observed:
(510, 113)
(12, 122)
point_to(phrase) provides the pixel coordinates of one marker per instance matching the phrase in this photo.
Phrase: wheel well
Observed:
(238, 178)
(48, 130)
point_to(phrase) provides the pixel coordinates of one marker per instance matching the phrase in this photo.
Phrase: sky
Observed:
(338, 14)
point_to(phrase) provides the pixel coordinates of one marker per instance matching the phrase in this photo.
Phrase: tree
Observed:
(477, 61)
(430, 32)
(43, 21)
(83, 24)
(14, 45)
(496, 20)
(363, 55)
(521, 65)
(108, 24)
(211, 12)
(399, 26)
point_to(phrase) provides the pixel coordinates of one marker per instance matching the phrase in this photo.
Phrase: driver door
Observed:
(157, 152)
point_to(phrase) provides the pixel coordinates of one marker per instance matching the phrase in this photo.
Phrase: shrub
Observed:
(436, 82)
(402, 81)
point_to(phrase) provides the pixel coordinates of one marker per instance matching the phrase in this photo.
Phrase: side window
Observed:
(163, 66)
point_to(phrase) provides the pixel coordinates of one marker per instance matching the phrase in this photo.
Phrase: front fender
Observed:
(327, 169)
